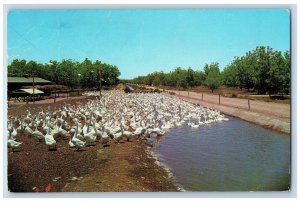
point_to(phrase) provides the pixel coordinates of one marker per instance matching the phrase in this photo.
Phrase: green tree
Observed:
(17, 68)
(229, 75)
(199, 78)
(287, 72)
(190, 77)
(213, 77)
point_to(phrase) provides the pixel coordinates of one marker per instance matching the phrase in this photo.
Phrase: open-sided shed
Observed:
(30, 91)
(15, 83)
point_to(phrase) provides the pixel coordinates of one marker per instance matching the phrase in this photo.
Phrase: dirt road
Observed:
(268, 108)
(263, 114)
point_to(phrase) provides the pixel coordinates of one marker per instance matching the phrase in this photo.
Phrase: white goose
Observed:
(77, 142)
(28, 130)
(119, 135)
(104, 137)
(158, 130)
(63, 133)
(37, 134)
(90, 136)
(71, 144)
(50, 141)
(12, 143)
(193, 125)
(14, 134)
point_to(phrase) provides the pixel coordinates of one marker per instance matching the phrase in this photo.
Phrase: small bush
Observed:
(233, 95)
(74, 94)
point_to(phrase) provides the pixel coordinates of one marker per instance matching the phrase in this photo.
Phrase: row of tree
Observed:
(68, 72)
(262, 70)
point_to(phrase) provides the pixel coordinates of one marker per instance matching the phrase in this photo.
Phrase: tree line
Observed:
(262, 70)
(67, 72)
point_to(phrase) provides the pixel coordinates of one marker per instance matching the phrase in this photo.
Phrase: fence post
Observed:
(202, 97)
(248, 104)
(219, 98)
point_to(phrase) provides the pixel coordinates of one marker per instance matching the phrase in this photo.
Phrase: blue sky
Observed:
(143, 41)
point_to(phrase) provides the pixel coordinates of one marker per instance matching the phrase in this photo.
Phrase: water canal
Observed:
(230, 156)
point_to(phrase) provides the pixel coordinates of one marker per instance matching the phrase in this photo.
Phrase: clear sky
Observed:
(139, 42)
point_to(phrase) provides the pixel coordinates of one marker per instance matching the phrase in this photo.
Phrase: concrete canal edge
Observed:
(263, 120)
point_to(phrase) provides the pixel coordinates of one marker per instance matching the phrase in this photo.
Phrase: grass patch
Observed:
(74, 94)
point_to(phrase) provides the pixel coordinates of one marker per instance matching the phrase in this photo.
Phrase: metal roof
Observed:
(130, 88)
(30, 91)
(26, 80)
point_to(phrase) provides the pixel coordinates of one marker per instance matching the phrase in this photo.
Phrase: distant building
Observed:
(15, 86)
(16, 83)
(129, 89)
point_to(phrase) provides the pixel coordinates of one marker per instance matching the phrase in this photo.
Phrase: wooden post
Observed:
(100, 81)
(219, 98)
(248, 104)
(33, 87)
(202, 97)
(55, 95)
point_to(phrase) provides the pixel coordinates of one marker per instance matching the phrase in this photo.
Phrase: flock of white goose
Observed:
(117, 116)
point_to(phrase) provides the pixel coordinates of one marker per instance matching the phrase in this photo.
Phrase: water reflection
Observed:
(227, 156)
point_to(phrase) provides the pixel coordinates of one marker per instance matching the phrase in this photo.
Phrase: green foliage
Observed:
(179, 77)
(262, 70)
(213, 78)
(68, 72)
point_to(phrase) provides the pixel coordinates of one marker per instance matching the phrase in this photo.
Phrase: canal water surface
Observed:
(230, 156)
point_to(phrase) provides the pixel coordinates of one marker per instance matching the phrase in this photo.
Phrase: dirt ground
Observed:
(124, 167)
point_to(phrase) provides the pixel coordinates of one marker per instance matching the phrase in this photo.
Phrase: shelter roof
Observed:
(30, 91)
(26, 80)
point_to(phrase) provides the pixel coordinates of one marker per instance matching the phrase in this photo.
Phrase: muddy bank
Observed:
(124, 167)
(275, 123)
(128, 168)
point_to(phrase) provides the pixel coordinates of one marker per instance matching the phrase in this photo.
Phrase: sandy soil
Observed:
(125, 167)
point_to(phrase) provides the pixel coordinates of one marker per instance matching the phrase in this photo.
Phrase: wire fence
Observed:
(278, 109)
